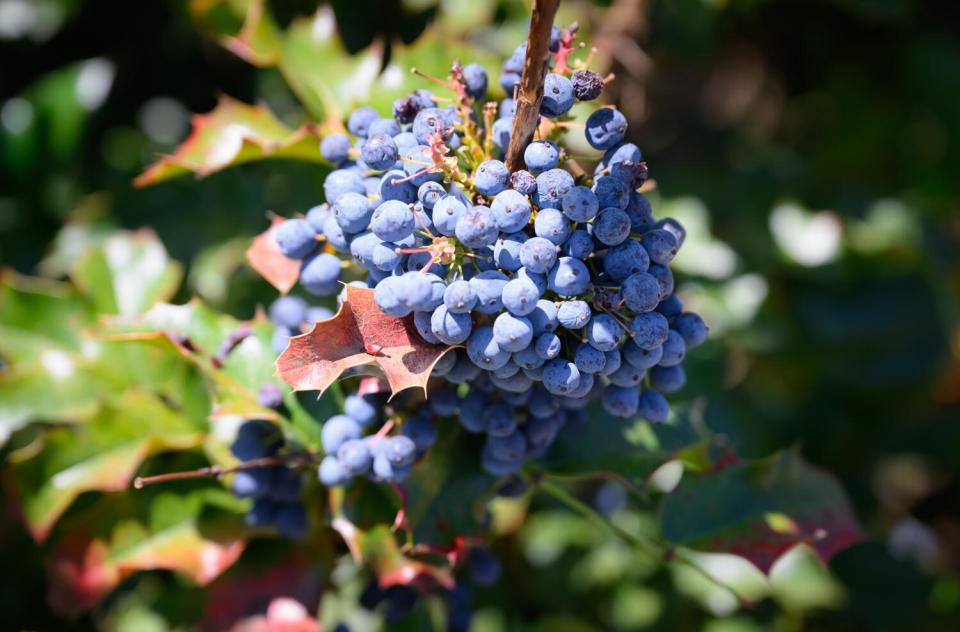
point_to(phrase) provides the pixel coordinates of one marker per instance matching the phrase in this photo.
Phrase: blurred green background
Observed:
(812, 149)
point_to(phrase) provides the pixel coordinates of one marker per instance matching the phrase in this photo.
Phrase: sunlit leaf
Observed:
(360, 334)
(231, 134)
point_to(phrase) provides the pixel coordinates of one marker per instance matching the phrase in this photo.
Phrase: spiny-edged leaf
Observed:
(360, 334)
(759, 509)
(378, 549)
(127, 273)
(632, 449)
(231, 134)
(265, 257)
(101, 455)
(117, 536)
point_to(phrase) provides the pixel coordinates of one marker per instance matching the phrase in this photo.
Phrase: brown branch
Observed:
(216, 471)
(531, 81)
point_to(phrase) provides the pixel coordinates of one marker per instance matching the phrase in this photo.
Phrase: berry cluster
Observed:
(555, 282)
(275, 490)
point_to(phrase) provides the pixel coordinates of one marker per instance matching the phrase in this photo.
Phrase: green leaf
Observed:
(759, 509)
(101, 455)
(127, 273)
(632, 449)
(231, 134)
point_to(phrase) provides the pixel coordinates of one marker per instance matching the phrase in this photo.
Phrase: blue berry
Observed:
(642, 358)
(460, 297)
(674, 349)
(296, 238)
(611, 192)
(558, 96)
(611, 227)
(543, 317)
(353, 212)
(254, 483)
(423, 322)
(668, 379)
(332, 473)
(580, 204)
(692, 328)
(418, 165)
(664, 277)
(641, 292)
(520, 296)
(540, 280)
(319, 274)
(500, 420)
(538, 255)
(511, 210)
(552, 225)
(362, 409)
(605, 128)
(491, 177)
(484, 351)
(653, 406)
(548, 345)
(626, 259)
(354, 455)
(473, 411)
(506, 251)
(338, 430)
(393, 186)
(661, 245)
(620, 401)
(475, 78)
(421, 430)
(588, 359)
(288, 311)
(603, 332)
(541, 155)
(489, 288)
(560, 377)
(392, 221)
(430, 121)
(502, 128)
(385, 256)
(477, 227)
(360, 121)
(446, 213)
(568, 277)
(649, 330)
(523, 182)
(387, 297)
(335, 148)
(527, 358)
(508, 448)
(512, 333)
(430, 193)
(416, 291)
(579, 245)
(552, 186)
(573, 314)
(449, 327)
(379, 152)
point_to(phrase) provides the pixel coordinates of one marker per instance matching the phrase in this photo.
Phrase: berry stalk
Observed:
(531, 82)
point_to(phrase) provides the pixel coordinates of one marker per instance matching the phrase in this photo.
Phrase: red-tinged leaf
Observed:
(231, 134)
(265, 257)
(103, 545)
(759, 509)
(359, 335)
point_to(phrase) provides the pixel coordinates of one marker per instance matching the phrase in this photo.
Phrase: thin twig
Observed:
(216, 471)
(531, 82)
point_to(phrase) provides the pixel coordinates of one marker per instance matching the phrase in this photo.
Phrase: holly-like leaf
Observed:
(127, 273)
(112, 539)
(101, 455)
(265, 257)
(231, 134)
(359, 335)
(759, 509)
